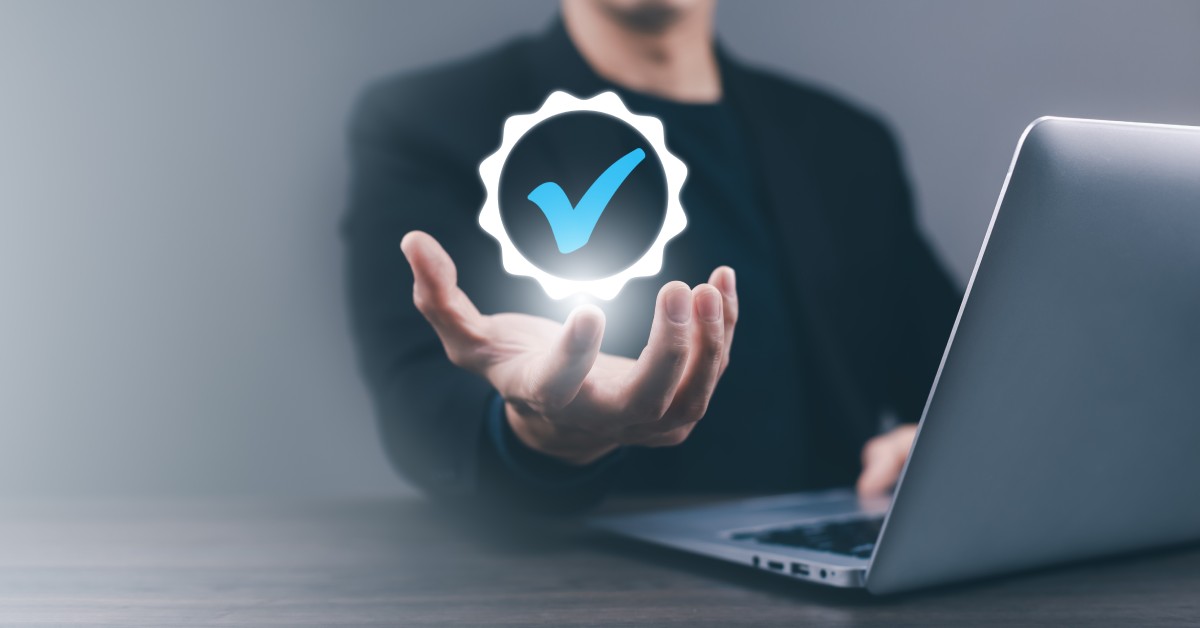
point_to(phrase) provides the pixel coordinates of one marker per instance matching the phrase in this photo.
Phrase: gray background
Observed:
(171, 174)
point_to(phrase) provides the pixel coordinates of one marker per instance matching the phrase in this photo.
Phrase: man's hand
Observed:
(562, 396)
(883, 458)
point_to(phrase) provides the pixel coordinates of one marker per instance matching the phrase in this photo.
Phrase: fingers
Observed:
(655, 376)
(437, 295)
(725, 280)
(713, 320)
(698, 381)
(555, 380)
(883, 459)
(704, 362)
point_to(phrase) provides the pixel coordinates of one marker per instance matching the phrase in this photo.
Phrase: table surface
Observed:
(401, 563)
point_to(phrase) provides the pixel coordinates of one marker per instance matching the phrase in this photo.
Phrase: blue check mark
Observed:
(573, 226)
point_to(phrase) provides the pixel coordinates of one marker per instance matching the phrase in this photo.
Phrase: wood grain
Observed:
(400, 563)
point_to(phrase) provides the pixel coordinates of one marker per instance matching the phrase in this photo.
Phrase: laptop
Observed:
(1064, 420)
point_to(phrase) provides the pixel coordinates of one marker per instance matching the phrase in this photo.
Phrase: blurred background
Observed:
(172, 175)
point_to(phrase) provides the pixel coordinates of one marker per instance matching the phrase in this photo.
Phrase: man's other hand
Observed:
(883, 458)
(565, 398)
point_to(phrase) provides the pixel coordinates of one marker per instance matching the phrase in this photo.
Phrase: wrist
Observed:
(544, 437)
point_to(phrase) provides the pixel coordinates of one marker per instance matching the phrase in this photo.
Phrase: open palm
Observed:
(563, 396)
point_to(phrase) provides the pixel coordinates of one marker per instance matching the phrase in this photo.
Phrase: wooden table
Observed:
(399, 563)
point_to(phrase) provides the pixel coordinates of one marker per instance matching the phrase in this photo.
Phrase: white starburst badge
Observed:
(650, 263)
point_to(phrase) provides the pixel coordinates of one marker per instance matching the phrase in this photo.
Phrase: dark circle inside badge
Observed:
(607, 214)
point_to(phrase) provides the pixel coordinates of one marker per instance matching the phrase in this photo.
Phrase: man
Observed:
(839, 307)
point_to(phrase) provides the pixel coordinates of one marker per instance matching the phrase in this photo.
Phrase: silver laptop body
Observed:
(1064, 420)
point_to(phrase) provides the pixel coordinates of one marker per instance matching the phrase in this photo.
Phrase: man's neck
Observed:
(676, 63)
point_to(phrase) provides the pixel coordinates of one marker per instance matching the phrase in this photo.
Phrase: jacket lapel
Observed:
(802, 219)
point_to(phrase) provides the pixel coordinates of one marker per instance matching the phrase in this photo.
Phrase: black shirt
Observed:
(728, 224)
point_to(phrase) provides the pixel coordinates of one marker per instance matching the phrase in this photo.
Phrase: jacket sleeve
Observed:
(409, 172)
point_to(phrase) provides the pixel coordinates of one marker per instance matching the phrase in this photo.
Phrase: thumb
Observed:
(556, 379)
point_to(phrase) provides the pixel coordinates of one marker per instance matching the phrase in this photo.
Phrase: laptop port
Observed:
(799, 569)
(754, 561)
(774, 564)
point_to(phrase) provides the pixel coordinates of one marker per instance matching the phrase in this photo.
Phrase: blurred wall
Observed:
(171, 176)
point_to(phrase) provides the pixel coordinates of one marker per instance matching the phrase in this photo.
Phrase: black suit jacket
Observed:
(874, 305)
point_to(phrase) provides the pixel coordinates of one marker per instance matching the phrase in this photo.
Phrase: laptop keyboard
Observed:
(855, 537)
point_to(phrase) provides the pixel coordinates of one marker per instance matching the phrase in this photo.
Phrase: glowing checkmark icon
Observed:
(573, 225)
